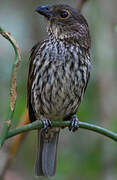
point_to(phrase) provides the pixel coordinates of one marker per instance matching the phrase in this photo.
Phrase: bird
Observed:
(59, 71)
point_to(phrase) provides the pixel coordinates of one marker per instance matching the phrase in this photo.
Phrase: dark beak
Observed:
(45, 11)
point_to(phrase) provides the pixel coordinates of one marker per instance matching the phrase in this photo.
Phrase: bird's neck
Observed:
(56, 34)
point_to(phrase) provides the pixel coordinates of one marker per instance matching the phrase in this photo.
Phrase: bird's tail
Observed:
(46, 158)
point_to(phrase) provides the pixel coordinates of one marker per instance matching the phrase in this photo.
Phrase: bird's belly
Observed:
(57, 97)
(58, 104)
(62, 104)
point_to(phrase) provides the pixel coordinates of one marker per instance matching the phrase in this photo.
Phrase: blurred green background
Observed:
(83, 155)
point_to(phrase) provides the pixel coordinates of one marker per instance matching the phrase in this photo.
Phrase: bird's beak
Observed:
(45, 11)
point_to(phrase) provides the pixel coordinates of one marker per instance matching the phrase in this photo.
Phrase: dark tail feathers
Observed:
(45, 164)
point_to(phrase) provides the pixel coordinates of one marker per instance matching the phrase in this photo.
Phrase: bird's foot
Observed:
(74, 125)
(46, 124)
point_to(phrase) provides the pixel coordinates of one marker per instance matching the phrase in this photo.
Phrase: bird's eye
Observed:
(64, 14)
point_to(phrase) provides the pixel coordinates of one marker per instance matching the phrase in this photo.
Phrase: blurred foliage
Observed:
(83, 155)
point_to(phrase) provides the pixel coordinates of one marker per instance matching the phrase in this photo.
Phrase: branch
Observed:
(38, 124)
(80, 4)
(13, 90)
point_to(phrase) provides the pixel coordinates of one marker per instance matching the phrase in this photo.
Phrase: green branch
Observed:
(13, 91)
(83, 125)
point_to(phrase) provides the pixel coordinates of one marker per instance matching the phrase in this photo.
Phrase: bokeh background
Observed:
(83, 155)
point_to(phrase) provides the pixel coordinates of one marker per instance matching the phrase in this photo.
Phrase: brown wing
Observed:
(34, 51)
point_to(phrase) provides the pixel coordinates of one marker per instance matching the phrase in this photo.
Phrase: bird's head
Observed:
(66, 23)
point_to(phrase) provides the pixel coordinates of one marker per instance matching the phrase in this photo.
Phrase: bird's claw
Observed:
(46, 124)
(74, 125)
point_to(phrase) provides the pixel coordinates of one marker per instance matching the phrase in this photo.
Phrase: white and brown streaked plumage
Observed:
(58, 75)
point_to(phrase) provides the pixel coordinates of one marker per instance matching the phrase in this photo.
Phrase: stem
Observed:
(13, 91)
(83, 125)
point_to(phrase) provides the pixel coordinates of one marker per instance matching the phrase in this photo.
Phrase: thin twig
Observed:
(13, 89)
(38, 124)
(80, 4)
